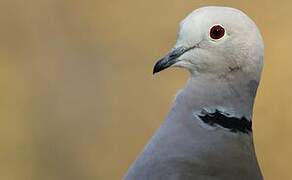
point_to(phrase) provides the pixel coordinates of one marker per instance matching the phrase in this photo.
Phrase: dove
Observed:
(207, 134)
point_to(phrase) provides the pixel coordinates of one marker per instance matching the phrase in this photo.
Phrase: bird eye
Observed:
(217, 32)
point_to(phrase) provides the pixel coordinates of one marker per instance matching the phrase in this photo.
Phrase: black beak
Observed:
(169, 59)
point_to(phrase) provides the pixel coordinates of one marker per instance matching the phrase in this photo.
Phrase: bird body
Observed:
(208, 134)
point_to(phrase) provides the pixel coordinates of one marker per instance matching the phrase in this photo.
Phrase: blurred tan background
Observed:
(77, 97)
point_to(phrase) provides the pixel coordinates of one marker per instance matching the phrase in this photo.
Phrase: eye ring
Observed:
(217, 32)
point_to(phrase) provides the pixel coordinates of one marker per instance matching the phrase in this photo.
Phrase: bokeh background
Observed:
(77, 97)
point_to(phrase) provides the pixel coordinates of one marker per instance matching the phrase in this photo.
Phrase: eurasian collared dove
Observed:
(208, 132)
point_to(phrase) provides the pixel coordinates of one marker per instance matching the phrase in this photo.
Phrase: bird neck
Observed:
(226, 134)
(214, 111)
(233, 95)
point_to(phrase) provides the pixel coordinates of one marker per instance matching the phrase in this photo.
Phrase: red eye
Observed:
(217, 32)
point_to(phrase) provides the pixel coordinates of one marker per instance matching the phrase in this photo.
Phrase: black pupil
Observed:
(217, 32)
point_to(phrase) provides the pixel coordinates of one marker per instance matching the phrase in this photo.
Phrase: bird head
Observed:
(216, 41)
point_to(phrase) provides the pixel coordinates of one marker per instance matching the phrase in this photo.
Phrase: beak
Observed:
(170, 59)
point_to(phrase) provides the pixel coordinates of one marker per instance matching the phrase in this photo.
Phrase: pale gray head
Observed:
(216, 41)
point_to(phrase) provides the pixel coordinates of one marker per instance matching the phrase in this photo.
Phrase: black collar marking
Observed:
(234, 124)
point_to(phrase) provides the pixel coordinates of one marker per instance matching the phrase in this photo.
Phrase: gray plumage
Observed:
(225, 73)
